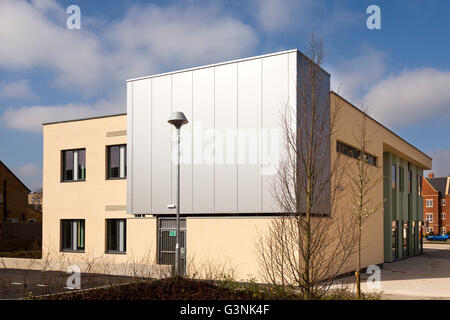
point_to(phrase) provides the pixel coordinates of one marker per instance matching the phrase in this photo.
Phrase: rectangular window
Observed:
(429, 217)
(429, 203)
(419, 185)
(72, 235)
(117, 162)
(394, 177)
(355, 153)
(394, 239)
(443, 202)
(116, 235)
(444, 230)
(429, 229)
(74, 165)
(420, 236)
(401, 178)
(409, 182)
(405, 239)
(444, 216)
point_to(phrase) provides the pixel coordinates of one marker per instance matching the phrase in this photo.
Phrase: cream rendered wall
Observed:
(88, 199)
(227, 242)
(348, 124)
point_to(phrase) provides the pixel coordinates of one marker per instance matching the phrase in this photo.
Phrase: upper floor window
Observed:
(409, 181)
(394, 176)
(72, 235)
(443, 202)
(419, 185)
(74, 165)
(429, 203)
(429, 217)
(444, 216)
(355, 153)
(401, 179)
(117, 161)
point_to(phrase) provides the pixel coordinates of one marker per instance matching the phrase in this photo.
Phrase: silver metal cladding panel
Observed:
(224, 105)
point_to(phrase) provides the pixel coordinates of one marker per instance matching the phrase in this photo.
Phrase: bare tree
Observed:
(312, 240)
(363, 177)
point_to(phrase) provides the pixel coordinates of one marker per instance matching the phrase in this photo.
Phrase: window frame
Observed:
(355, 153)
(108, 157)
(63, 165)
(119, 239)
(79, 223)
(419, 185)
(443, 202)
(429, 215)
(394, 177)
(426, 203)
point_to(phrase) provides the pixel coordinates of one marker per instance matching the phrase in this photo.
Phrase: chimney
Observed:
(431, 175)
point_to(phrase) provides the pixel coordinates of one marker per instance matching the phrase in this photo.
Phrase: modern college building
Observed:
(109, 180)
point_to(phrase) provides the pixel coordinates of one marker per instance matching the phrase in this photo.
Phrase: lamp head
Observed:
(177, 119)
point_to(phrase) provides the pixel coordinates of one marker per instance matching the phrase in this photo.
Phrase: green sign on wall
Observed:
(172, 233)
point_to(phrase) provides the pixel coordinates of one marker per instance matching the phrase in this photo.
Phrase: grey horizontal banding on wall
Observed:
(116, 133)
(115, 208)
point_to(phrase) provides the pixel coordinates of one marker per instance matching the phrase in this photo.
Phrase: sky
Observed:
(48, 72)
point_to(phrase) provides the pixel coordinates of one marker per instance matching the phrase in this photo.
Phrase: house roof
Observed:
(439, 184)
(1, 163)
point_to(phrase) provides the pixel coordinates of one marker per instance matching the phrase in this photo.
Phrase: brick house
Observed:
(436, 199)
(13, 197)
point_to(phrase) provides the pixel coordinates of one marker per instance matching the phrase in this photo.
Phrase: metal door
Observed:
(167, 241)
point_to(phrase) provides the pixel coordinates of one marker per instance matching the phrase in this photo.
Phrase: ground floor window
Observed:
(115, 235)
(72, 235)
(405, 238)
(429, 229)
(444, 230)
(421, 236)
(394, 239)
(414, 237)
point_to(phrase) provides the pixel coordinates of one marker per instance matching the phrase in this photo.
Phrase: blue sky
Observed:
(48, 73)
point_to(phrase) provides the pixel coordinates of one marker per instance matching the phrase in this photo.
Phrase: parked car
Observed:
(441, 237)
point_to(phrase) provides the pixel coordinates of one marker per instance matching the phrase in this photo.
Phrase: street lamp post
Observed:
(178, 119)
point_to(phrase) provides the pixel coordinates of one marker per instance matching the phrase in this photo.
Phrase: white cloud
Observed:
(17, 89)
(394, 99)
(279, 15)
(31, 118)
(356, 75)
(34, 39)
(148, 39)
(441, 162)
(30, 174)
(411, 97)
(301, 16)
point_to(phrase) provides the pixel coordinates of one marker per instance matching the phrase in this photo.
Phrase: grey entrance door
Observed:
(167, 241)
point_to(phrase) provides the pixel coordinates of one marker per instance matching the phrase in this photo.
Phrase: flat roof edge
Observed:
(88, 118)
(214, 64)
(351, 104)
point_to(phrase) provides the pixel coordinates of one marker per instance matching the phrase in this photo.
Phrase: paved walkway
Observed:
(422, 277)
